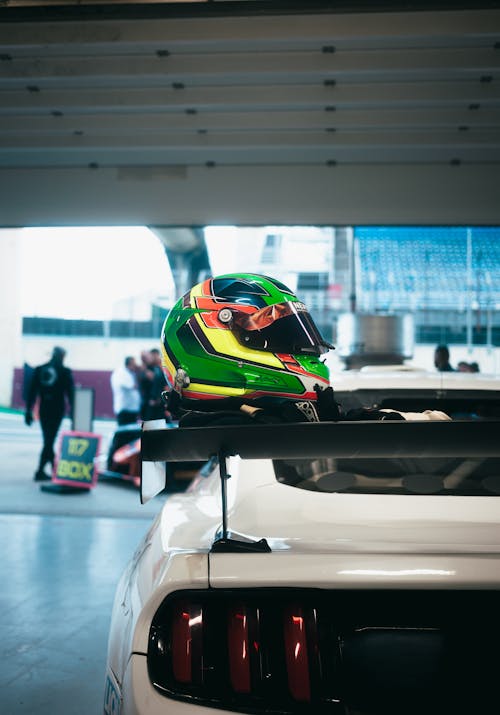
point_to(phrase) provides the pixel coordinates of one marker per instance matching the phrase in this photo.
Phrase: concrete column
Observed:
(10, 311)
(187, 255)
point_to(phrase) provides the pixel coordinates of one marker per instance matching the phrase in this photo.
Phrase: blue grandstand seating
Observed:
(409, 268)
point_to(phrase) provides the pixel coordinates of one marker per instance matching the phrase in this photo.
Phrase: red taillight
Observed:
(297, 651)
(239, 649)
(187, 621)
(296, 655)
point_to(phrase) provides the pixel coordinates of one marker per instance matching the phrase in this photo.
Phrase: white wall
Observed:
(97, 354)
(488, 359)
(83, 353)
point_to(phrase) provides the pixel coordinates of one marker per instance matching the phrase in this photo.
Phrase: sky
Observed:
(82, 272)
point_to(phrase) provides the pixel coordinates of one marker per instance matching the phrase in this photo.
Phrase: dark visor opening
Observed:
(282, 328)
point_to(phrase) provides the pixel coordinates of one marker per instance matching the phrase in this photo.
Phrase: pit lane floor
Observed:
(61, 557)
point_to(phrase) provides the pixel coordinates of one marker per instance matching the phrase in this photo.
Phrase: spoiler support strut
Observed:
(225, 542)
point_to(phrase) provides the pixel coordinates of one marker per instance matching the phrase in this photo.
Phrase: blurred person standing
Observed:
(154, 408)
(152, 384)
(464, 366)
(145, 377)
(126, 393)
(53, 384)
(442, 359)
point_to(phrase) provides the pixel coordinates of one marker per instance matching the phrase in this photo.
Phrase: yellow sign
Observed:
(75, 463)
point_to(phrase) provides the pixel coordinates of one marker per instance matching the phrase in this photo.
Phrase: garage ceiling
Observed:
(158, 91)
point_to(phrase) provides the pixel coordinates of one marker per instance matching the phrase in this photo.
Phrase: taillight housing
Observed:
(236, 650)
(318, 651)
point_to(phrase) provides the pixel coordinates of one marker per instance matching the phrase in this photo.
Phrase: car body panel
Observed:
(149, 577)
(347, 571)
(302, 521)
(139, 696)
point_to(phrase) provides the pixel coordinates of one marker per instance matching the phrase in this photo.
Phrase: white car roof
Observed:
(379, 377)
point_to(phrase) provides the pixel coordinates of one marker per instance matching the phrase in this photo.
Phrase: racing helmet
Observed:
(243, 335)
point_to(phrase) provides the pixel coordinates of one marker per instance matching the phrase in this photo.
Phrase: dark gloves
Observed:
(28, 418)
(328, 409)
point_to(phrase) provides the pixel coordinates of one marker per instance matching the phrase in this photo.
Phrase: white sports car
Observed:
(349, 568)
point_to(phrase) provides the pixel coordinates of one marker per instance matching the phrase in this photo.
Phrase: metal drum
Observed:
(368, 339)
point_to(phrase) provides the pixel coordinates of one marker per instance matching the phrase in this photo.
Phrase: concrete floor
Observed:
(61, 557)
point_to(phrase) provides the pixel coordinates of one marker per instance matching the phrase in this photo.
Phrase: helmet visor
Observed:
(280, 328)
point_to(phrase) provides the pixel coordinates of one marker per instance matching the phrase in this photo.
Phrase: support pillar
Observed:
(10, 311)
(187, 255)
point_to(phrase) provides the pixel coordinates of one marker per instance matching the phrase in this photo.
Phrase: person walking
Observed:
(52, 384)
(126, 393)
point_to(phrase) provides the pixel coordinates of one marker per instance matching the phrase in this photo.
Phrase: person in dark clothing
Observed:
(154, 386)
(464, 366)
(53, 384)
(442, 359)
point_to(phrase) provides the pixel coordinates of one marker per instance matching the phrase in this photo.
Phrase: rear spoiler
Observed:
(304, 441)
(312, 440)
